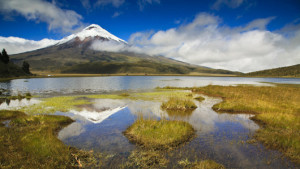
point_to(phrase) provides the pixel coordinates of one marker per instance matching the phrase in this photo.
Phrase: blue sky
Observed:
(124, 17)
(150, 24)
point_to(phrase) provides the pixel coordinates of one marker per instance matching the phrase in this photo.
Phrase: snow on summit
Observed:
(92, 31)
(15, 45)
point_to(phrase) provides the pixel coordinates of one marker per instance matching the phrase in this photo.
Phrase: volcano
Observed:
(76, 54)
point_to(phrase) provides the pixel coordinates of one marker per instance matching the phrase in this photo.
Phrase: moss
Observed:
(160, 134)
(178, 103)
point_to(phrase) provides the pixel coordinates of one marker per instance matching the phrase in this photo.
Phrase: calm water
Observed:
(99, 126)
(220, 137)
(72, 85)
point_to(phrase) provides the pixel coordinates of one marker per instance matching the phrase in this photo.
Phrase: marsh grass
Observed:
(159, 134)
(205, 164)
(277, 110)
(31, 142)
(179, 113)
(178, 103)
(146, 159)
(54, 104)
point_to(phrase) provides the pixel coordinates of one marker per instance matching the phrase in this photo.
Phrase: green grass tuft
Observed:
(177, 103)
(160, 134)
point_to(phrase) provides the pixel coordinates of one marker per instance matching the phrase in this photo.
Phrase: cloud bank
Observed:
(15, 45)
(42, 11)
(207, 42)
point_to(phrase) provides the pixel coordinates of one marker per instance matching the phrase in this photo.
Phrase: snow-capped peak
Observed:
(93, 30)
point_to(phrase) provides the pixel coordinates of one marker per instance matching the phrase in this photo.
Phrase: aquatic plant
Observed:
(159, 134)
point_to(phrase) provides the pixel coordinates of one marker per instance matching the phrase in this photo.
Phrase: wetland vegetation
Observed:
(159, 134)
(30, 140)
(276, 109)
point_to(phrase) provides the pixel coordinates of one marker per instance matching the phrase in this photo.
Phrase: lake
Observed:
(99, 126)
(107, 84)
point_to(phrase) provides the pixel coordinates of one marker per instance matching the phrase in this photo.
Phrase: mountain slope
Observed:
(73, 54)
(289, 71)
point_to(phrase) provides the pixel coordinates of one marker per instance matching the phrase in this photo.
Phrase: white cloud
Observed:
(43, 11)
(205, 42)
(143, 3)
(15, 45)
(230, 3)
(110, 46)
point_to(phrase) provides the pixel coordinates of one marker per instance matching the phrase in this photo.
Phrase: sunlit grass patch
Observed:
(178, 103)
(159, 134)
(54, 104)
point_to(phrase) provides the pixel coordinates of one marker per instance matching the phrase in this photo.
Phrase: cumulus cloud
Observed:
(230, 3)
(14, 45)
(43, 11)
(143, 3)
(206, 41)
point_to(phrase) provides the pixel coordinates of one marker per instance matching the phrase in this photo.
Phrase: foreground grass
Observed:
(146, 159)
(31, 142)
(178, 103)
(205, 164)
(277, 109)
(160, 134)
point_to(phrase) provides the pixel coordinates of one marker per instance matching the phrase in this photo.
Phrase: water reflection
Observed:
(220, 137)
(9, 104)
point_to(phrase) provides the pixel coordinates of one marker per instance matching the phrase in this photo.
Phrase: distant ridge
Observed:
(288, 71)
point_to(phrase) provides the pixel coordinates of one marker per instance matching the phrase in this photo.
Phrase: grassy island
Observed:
(159, 134)
(177, 103)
